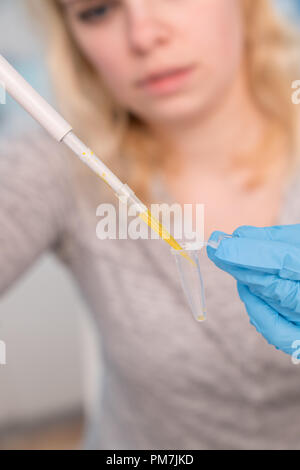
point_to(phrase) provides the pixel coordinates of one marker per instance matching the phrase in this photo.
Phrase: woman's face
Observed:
(130, 40)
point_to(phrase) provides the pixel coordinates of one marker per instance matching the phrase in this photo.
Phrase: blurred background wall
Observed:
(52, 363)
(51, 349)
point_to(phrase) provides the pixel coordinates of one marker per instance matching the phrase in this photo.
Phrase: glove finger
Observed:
(282, 295)
(215, 237)
(280, 233)
(278, 331)
(287, 313)
(260, 255)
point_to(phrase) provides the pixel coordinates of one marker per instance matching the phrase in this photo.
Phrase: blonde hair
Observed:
(272, 63)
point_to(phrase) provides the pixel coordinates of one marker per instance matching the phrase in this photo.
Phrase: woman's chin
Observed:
(174, 113)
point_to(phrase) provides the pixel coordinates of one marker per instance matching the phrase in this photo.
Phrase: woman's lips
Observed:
(170, 82)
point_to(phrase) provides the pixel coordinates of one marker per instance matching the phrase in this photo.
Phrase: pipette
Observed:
(22, 92)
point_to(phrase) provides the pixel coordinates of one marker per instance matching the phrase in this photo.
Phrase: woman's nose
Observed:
(146, 30)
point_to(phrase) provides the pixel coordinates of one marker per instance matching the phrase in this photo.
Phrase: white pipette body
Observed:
(32, 102)
(61, 130)
(122, 191)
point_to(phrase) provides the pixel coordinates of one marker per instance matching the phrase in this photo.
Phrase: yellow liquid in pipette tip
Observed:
(155, 225)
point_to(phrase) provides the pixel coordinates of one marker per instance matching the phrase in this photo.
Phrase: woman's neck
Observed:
(207, 141)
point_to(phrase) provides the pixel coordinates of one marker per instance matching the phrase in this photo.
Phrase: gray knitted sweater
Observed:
(169, 383)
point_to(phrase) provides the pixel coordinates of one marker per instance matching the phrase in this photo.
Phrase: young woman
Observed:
(190, 102)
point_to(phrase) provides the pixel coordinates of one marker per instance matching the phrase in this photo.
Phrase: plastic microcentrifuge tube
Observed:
(190, 274)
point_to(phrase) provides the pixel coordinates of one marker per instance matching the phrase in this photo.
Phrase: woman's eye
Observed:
(94, 13)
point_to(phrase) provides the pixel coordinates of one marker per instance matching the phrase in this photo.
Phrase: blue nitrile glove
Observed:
(266, 264)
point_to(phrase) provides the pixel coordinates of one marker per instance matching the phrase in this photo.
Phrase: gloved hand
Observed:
(266, 264)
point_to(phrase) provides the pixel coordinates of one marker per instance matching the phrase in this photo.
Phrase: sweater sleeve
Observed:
(35, 201)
